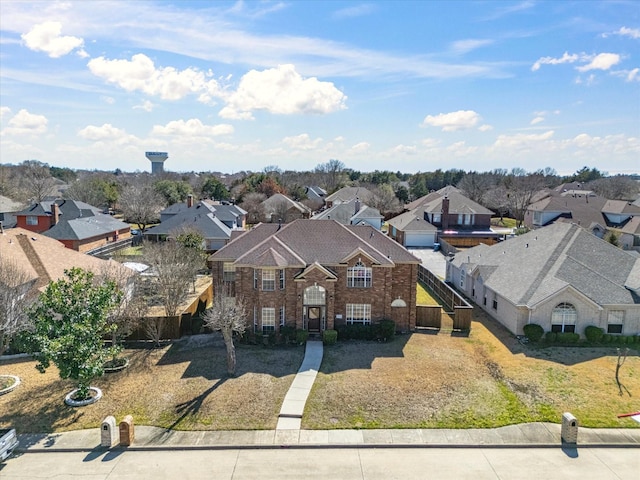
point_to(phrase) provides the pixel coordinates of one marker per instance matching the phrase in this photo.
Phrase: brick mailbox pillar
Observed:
(126, 431)
(108, 432)
(569, 429)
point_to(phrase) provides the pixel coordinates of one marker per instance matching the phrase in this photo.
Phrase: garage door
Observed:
(415, 239)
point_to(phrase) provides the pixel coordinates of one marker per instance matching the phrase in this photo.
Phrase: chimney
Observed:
(189, 201)
(445, 213)
(55, 214)
(357, 205)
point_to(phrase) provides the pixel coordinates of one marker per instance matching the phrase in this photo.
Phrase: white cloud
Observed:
(406, 149)
(355, 11)
(282, 90)
(633, 75)
(140, 74)
(430, 142)
(45, 37)
(464, 46)
(4, 112)
(147, 106)
(108, 100)
(522, 140)
(25, 123)
(602, 61)
(537, 120)
(460, 149)
(625, 32)
(192, 128)
(360, 147)
(302, 142)
(105, 132)
(485, 128)
(460, 120)
(566, 58)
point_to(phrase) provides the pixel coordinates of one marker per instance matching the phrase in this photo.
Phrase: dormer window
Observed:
(359, 276)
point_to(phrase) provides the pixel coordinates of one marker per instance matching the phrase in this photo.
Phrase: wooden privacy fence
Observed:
(429, 316)
(457, 307)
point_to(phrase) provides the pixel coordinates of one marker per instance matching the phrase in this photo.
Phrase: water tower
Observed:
(157, 161)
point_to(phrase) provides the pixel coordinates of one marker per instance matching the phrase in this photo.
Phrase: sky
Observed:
(409, 86)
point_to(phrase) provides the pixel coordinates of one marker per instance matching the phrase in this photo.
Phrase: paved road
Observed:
(328, 463)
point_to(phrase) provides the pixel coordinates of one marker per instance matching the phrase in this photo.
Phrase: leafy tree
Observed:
(269, 186)
(613, 239)
(70, 320)
(402, 194)
(96, 190)
(65, 174)
(227, 315)
(585, 175)
(214, 188)
(190, 238)
(16, 295)
(141, 205)
(173, 191)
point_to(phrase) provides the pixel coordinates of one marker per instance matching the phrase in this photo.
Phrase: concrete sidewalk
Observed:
(292, 409)
(154, 438)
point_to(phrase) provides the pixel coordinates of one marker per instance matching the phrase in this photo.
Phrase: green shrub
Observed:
(620, 340)
(594, 334)
(606, 338)
(550, 337)
(21, 343)
(386, 330)
(533, 332)
(567, 337)
(356, 332)
(301, 336)
(288, 334)
(329, 337)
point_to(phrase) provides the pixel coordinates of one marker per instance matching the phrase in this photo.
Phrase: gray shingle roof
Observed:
(411, 222)
(347, 194)
(531, 267)
(346, 214)
(85, 227)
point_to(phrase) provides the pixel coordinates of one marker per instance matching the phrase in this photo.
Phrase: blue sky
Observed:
(408, 86)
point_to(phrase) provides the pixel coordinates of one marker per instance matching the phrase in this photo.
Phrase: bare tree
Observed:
(620, 187)
(141, 205)
(174, 268)
(36, 179)
(16, 295)
(331, 174)
(384, 199)
(521, 187)
(252, 204)
(127, 314)
(476, 185)
(227, 315)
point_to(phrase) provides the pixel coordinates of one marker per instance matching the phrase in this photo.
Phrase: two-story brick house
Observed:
(316, 274)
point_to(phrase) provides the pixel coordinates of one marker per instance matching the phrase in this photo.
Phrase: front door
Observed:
(313, 319)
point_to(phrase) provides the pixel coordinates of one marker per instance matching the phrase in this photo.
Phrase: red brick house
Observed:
(78, 225)
(317, 274)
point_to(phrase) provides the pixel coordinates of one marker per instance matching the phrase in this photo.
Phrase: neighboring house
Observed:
(348, 194)
(45, 259)
(316, 195)
(280, 208)
(583, 207)
(457, 219)
(352, 213)
(214, 221)
(630, 235)
(8, 209)
(316, 274)
(560, 277)
(411, 230)
(78, 225)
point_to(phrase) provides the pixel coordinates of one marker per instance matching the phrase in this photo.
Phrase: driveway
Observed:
(432, 261)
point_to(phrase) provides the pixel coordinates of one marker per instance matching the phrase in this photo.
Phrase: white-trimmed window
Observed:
(268, 319)
(436, 218)
(563, 318)
(359, 313)
(281, 273)
(359, 276)
(462, 274)
(32, 220)
(255, 319)
(615, 321)
(228, 272)
(315, 295)
(268, 280)
(282, 316)
(255, 278)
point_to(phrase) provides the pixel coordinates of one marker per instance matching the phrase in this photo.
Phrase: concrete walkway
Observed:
(290, 417)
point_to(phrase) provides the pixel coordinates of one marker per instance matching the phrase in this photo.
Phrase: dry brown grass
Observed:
(419, 380)
(183, 386)
(485, 380)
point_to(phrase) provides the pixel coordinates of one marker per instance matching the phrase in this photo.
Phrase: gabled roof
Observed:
(632, 227)
(329, 275)
(620, 206)
(326, 242)
(347, 194)
(458, 203)
(9, 206)
(411, 222)
(273, 203)
(346, 214)
(45, 259)
(585, 210)
(69, 209)
(86, 227)
(532, 267)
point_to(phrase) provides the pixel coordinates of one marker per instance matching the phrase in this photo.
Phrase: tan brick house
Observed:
(316, 274)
